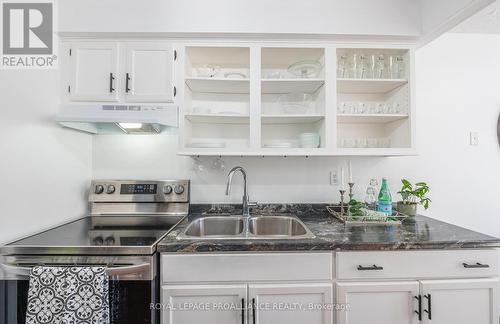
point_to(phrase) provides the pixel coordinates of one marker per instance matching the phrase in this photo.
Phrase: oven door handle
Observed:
(111, 271)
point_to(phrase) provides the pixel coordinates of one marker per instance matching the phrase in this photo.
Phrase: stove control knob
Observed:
(98, 240)
(110, 189)
(110, 240)
(99, 189)
(167, 190)
(179, 189)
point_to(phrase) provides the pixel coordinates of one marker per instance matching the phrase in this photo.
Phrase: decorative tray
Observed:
(366, 217)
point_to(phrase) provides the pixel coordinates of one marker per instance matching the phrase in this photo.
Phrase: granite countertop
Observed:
(418, 233)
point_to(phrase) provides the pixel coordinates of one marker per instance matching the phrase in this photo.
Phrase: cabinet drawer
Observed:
(245, 267)
(416, 264)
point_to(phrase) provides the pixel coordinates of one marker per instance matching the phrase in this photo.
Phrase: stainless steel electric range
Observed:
(127, 219)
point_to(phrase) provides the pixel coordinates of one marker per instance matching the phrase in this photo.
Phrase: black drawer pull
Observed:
(253, 311)
(370, 268)
(429, 305)
(127, 80)
(475, 266)
(242, 310)
(419, 311)
(111, 79)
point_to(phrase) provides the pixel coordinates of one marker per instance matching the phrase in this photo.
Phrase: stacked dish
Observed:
(309, 140)
(295, 102)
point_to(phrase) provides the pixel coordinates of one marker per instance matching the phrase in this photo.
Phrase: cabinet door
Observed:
(149, 74)
(207, 304)
(378, 302)
(94, 71)
(290, 303)
(460, 301)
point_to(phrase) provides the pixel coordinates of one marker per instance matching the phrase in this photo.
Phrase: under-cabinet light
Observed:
(130, 125)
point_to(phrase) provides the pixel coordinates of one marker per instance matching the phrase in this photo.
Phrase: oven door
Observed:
(133, 285)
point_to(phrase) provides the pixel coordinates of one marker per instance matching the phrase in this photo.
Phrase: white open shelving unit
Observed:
(236, 110)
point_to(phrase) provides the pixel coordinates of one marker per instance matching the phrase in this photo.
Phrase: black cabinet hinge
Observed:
(175, 55)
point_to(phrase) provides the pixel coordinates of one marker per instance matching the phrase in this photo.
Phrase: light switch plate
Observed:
(334, 178)
(474, 138)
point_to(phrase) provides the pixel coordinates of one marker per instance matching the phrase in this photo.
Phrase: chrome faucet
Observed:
(246, 199)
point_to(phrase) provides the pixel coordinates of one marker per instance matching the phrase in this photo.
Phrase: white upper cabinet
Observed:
(94, 71)
(149, 72)
(459, 301)
(129, 71)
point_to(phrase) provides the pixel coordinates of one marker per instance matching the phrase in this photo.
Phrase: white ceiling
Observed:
(487, 21)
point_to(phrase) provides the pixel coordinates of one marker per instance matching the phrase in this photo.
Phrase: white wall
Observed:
(44, 169)
(364, 17)
(440, 16)
(457, 92)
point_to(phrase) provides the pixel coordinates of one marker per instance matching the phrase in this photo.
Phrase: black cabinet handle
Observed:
(419, 311)
(429, 305)
(253, 311)
(175, 91)
(475, 266)
(127, 80)
(242, 310)
(370, 268)
(111, 79)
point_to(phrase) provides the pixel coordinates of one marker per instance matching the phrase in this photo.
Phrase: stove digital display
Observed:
(138, 189)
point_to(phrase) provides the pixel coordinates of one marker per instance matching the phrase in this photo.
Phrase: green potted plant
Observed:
(412, 196)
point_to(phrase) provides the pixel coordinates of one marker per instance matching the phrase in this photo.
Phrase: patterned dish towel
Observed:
(68, 295)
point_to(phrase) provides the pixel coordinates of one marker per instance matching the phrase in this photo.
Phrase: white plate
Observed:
(207, 145)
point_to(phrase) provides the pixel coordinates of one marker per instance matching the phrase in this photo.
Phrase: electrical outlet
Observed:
(474, 138)
(334, 178)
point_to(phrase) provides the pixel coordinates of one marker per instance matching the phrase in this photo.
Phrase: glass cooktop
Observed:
(101, 235)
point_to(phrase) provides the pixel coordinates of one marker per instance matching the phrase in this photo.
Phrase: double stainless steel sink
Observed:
(253, 227)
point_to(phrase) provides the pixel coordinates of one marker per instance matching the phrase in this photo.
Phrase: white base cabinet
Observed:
(268, 303)
(291, 303)
(378, 302)
(390, 287)
(207, 304)
(459, 301)
(410, 302)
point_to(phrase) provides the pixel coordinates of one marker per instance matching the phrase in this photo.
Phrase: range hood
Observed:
(119, 119)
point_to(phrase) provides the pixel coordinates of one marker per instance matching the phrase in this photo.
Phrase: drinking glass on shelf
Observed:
(384, 142)
(361, 142)
(378, 108)
(396, 67)
(372, 66)
(361, 108)
(398, 108)
(342, 65)
(400, 67)
(363, 66)
(345, 108)
(378, 72)
(354, 65)
(349, 142)
(372, 142)
(359, 66)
